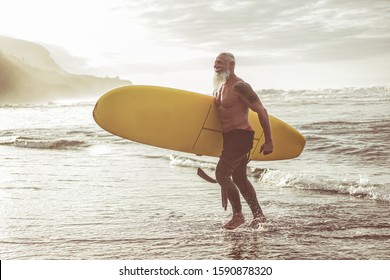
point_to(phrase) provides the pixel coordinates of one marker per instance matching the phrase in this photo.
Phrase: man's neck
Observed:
(231, 79)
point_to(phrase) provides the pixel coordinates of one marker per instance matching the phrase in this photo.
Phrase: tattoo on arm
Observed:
(247, 92)
(251, 96)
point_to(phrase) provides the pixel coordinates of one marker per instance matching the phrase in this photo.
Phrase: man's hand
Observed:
(267, 148)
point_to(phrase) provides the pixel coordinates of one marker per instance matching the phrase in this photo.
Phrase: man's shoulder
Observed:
(241, 86)
(245, 91)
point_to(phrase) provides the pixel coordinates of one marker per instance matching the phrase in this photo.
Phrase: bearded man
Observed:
(233, 98)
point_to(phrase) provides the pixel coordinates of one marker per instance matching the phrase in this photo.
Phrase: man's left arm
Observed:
(252, 100)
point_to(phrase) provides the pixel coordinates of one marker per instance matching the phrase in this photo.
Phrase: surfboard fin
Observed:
(206, 177)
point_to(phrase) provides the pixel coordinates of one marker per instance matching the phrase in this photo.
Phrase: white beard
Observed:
(219, 80)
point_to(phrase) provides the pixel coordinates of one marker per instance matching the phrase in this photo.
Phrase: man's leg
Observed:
(248, 192)
(229, 191)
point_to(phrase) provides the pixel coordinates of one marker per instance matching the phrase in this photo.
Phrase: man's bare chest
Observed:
(227, 98)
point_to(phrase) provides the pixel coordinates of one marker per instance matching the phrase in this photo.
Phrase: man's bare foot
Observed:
(237, 220)
(257, 221)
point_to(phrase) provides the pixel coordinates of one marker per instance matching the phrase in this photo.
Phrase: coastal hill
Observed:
(29, 74)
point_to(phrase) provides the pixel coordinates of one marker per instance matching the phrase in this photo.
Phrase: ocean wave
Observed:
(59, 103)
(367, 94)
(342, 93)
(34, 143)
(181, 161)
(360, 188)
(366, 141)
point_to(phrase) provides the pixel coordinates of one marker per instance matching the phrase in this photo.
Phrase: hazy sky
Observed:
(277, 43)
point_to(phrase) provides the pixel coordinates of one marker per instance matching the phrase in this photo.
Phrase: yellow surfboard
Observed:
(183, 121)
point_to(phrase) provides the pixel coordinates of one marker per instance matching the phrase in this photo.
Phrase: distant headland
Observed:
(28, 73)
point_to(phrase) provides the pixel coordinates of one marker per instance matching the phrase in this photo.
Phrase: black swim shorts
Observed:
(237, 145)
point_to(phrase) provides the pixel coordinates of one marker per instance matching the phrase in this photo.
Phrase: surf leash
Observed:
(206, 177)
